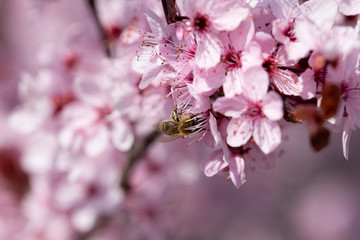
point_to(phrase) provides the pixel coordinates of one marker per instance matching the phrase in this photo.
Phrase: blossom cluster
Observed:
(255, 68)
(88, 102)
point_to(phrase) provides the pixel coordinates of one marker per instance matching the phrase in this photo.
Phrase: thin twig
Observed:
(104, 38)
(135, 154)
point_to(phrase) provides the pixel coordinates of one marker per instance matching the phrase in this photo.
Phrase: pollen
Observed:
(234, 132)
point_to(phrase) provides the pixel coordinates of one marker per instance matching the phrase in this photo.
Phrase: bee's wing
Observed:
(165, 138)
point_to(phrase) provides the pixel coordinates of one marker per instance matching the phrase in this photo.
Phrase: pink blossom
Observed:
(222, 160)
(347, 77)
(206, 22)
(253, 113)
(320, 13)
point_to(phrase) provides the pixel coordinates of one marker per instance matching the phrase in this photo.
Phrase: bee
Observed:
(180, 126)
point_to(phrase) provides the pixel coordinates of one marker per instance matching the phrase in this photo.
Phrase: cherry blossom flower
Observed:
(85, 86)
(347, 78)
(276, 63)
(253, 113)
(206, 22)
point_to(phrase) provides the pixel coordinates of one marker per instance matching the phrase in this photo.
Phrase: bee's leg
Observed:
(175, 114)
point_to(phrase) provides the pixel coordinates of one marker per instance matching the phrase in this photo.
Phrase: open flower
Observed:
(208, 18)
(253, 113)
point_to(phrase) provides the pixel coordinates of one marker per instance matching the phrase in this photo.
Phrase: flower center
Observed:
(232, 60)
(289, 32)
(269, 65)
(254, 111)
(201, 22)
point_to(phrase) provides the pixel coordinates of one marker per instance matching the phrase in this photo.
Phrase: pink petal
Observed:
(234, 83)
(150, 75)
(237, 170)
(346, 140)
(229, 16)
(91, 89)
(351, 62)
(39, 154)
(267, 135)
(349, 7)
(282, 9)
(156, 24)
(202, 101)
(121, 135)
(272, 106)
(84, 218)
(213, 163)
(296, 50)
(243, 34)
(287, 82)
(266, 41)
(279, 25)
(207, 81)
(30, 116)
(239, 131)
(309, 84)
(321, 12)
(97, 142)
(256, 83)
(208, 51)
(231, 107)
(200, 6)
(252, 56)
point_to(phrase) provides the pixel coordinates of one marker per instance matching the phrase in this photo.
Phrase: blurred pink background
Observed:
(307, 196)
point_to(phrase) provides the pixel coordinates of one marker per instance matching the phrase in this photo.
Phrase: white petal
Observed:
(213, 163)
(229, 17)
(156, 24)
(214, 130)
(256, 83)
(309, 84)
(121, 135)
(150, 75)
(208, 51)
(272, 106)
(242, 35)
(234, 83)
(349, 7)
(97, 143)
(321, 12)
(91, 89)
(346, 141)
(239, 131)
(30, 116)
(39, 156)
(84, 218)
(237, 170)
(267, 135)
(231, 107)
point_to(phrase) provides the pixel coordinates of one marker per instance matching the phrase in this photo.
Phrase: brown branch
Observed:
(104, 38)
(135, 154)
